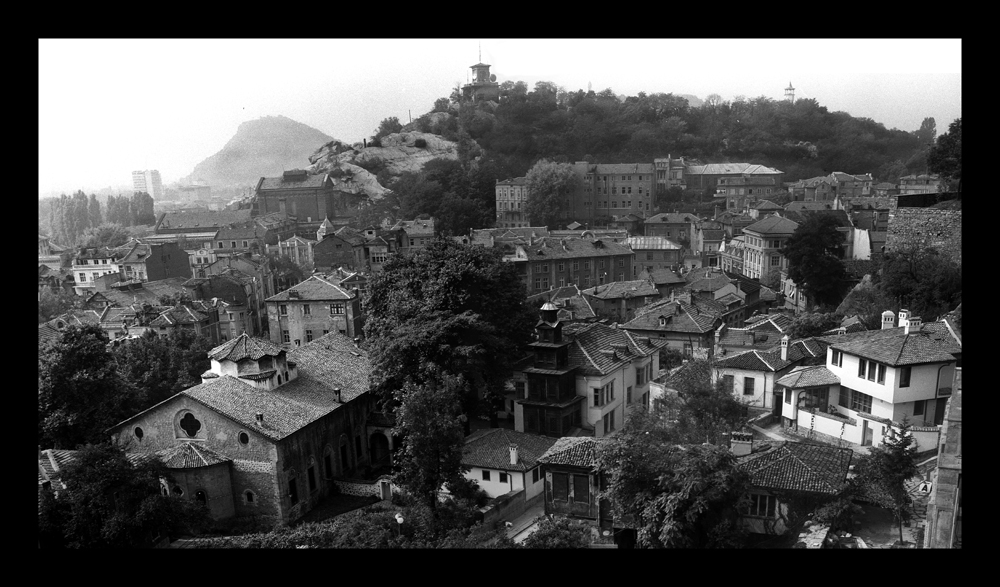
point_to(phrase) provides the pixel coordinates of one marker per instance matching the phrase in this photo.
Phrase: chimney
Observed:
(513, 454)
(260, 419)
(784, 348)
(888, 319)
(741, 443)
(337, 391)
(904, 315)
(912, 324)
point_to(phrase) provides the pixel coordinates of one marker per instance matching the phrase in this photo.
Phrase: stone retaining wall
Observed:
(926, 228)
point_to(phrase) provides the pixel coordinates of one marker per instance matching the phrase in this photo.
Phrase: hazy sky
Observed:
(107, 107)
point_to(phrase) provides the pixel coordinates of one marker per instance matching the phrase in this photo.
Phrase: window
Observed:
(328, 465)
(560, 486)
(918, 407)
(904, 377)
(293, 491)
(138, 433)
(881, 374)
(609, 422)
(244, 244)
(220, 244)
(248, 496)
(628, 394)
(306, 310)
(83, 277)
(503, 477)
(581, 489)
(861, 402)
(337, 308)
(788, 396)
(283, 310)
(309, 335)
(285, 337)
(862, 367)
(244, 438)
(201, 496)
(311, 472)
(817, 399)
(762, 506)
(775, 260)
(727, 382)
(836, 358)
(190, 425)
(748, 383)
(325, 332)
(562, 267)
(535, 475)
(486, 475)
(232, 244)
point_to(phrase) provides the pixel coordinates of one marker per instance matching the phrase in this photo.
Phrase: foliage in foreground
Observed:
(111, 502)
(559, 532)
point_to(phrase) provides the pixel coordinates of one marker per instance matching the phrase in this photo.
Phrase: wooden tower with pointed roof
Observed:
(550, 404)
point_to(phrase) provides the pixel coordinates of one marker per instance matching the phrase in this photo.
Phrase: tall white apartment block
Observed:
(148, 181)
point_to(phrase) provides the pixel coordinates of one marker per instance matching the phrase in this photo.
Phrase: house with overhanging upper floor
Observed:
(872, 380)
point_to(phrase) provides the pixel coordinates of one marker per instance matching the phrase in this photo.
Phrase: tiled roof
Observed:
(76, 318)
(799, 206)
(293, 182)
(316, 288)
(416, 227)
(811, 376)
(681, 317)
(574, 248)
(770, 322)
(350, 235)
(179, 314)
(619, 168)
(203, 220)
(652, 243)
(47, 332)
(772, 225)
(237, 232)
(190, 455)
(245, 346)
(665, 276)
(511, 182)
(600, 349)
(800, 216)
(713, 235)
(689, 376)
(799, 467)
(623, 289)
(552, 295)
(329, 362)
(710, 282)
(575, 451)
(767, 205)
(932, 343)
(672, 218)
(490, 449)
(728, 168)
(752, 360)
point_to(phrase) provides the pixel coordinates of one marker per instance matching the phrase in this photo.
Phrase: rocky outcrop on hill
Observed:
(353, 179)
(399, 152)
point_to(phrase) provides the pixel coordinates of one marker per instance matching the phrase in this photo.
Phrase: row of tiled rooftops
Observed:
(599, 349)
(793, 466)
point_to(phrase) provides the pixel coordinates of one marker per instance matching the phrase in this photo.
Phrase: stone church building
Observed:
(267, 431)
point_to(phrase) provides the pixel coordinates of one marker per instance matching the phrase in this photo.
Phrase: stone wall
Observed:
(507, 507)
(926, 228)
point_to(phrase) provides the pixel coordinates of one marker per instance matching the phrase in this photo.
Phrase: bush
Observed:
(559, 533)
(420, 144)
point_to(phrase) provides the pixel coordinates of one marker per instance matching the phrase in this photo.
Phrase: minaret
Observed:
(790, 93)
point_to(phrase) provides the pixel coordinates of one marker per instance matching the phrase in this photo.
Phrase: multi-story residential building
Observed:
(732, 253)
(684, 324)
(411, 235)
(654, 252)
(764, 241)
(736, 192)
(619, 301)
(669, 173)
(256, 278)
(200, 259)
(311, 309)
(199, 317)
(762, 208)
(610, 190)
(48, 253)
(704, 177)
(852, 186)
(511, 195)
(674, 226)
(239, 240)
(91, 263)
(296, 248)
(148, 181)
(558, 262)
(921, 184)
(734, 223)
(581, 378)
(750, 375)
(707, 239)
(872, 380)
(134, 260)
(500, 461)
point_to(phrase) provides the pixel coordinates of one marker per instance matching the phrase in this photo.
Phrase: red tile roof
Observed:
(798, 466)
(490, 449)
(245, 346)
(190, 455)
(575, 451)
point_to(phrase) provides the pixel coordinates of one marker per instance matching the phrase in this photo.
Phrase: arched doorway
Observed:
(379, 449)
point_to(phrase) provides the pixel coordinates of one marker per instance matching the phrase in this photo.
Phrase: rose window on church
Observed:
(190, 425)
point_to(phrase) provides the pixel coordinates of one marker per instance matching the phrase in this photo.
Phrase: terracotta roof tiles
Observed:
(799, 467)
(490, 449)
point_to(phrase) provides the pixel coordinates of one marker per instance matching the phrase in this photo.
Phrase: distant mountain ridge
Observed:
(262, 147)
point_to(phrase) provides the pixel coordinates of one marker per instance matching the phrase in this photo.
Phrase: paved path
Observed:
(522, 526)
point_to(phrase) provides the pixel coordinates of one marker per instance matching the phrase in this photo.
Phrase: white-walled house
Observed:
(751, 375)
(873, 379)
(582, 378)
(501, 461)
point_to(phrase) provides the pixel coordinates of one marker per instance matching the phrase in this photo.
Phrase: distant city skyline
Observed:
(207, 87)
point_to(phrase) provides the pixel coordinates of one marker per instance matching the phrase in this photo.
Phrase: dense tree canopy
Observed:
(459, 308)
(945, 158)
(881, 475)
(80, 392)
(112, 502)
(559, 532)
(549, 186)
(159, 367)
(814, 254)
(676, 495)
(923, 281)
(428, 418)
(108, 234)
